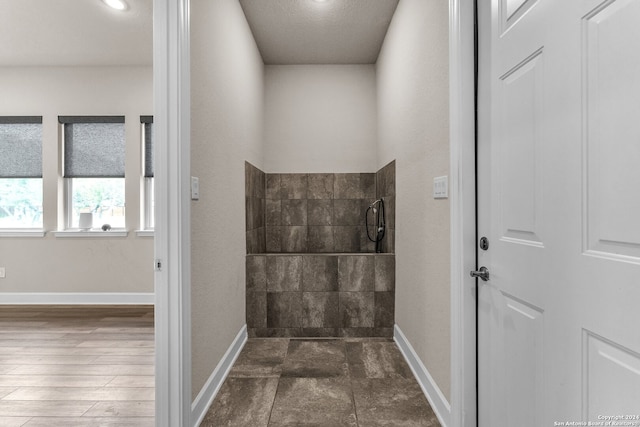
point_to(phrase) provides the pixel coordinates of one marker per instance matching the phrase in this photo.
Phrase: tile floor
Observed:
(321, 382)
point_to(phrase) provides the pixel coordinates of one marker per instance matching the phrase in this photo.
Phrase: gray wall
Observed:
(83, 265)
(320, 118)
(413, 123)
(226, 129)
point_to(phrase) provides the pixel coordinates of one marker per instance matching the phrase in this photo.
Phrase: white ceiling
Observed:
(309, 32)
(75, 33)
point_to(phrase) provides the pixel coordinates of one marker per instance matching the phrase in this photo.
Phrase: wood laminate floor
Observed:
(76, 366)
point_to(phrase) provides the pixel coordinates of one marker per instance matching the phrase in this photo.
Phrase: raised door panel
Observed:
(612, 130)
(611, 381)
(520, 94)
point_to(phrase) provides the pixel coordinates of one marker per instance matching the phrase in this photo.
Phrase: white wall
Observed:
(413, 112)
(227, 101)
(320, 118)
(84, 265)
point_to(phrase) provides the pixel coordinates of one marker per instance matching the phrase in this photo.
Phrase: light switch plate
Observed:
(195, 188)
(2, 273)
(441, 187)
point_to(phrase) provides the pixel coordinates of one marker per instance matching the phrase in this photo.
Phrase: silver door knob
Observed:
(483, 273)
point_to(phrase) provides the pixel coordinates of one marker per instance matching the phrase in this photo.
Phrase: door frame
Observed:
(172, 242)
(171, 88)
(462, 191)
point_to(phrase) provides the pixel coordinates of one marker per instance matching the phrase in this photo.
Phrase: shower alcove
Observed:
(311, 270)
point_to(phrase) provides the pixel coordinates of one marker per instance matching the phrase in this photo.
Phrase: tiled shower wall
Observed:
(254, 182)
(310, 268)
(386, 190)
(316, 213)
(320, 295)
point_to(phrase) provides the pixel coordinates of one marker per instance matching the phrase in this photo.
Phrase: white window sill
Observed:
(90, 233)
(27, 232)
(145, 233)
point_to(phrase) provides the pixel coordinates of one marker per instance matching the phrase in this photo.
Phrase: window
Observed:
(94, 161)
(20, 172)
(148, 204)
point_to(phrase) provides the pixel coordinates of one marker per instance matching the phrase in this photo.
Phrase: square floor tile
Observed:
(315, 359)
(261, 358)
(376, 359)
(242, 402)
(392, 402)
(326, 402)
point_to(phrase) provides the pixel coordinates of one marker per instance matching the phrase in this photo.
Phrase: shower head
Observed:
(372, 206)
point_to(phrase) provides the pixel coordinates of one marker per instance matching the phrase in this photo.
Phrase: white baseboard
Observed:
(72, 298)
(436, 399)
(204, 399)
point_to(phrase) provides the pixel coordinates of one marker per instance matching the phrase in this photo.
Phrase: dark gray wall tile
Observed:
(320, 310)
(358, 332)
(255, 241)
(384, 309)
(293, 186)
(347, 238)
(320, 212)
(254, 212)
(273, 239)
(385, 273)
(284, 309)
(349, 212)
(389, 212)
(273, 188)
(366, 245)
(320, 186)
(386, 180)
(261, 238)
(349, 186)
(320, 332)
(275, 332)
(284, 273)
(346, 186)
(294, 212)
(256, 273)
(273, 212)
(388, 245)
(320, 239)
(356, 273)
(256, 309)
(319, 273)
(294, 239)
(357, 309)
(254, 181)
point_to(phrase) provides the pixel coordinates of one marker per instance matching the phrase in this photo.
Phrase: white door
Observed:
(559, 200)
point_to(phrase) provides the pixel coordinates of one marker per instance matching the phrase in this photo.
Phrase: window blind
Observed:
(94, 146)
(147, 122)
(21, 147)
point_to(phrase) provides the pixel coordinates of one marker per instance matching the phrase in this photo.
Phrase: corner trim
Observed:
(204, 399)
(436, 399)
(72, 298)
(462, 182)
